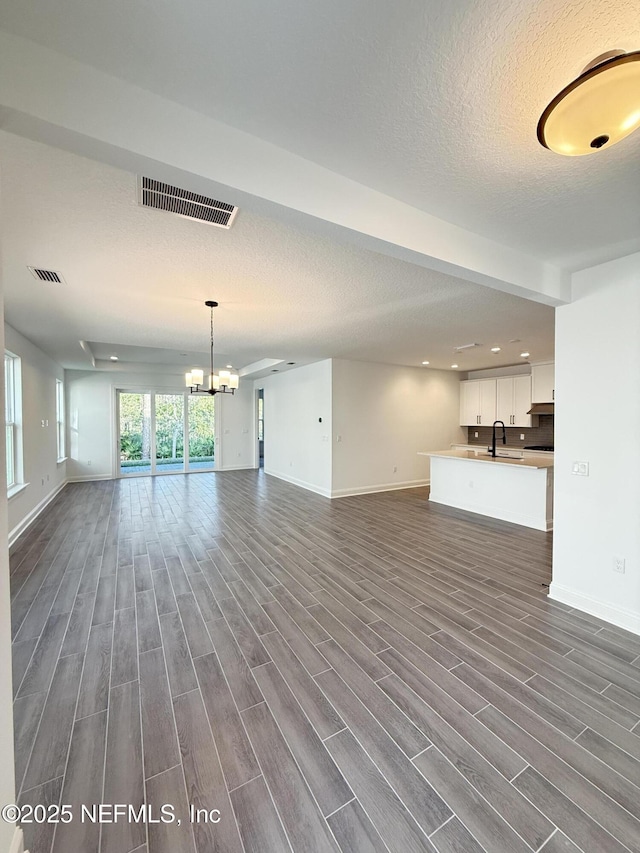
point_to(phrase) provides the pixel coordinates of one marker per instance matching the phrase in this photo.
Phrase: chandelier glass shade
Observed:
(598, 109)
(224, 382)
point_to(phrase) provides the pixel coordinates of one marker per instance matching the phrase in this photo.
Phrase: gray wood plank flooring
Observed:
(373, 673)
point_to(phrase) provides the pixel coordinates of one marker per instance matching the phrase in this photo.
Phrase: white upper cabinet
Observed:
(477, 402)
(543, 383)
(513, 394)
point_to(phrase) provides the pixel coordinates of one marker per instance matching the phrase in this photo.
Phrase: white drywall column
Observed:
(54, 99)
(297, 444)
(597, 416)
(7, 788)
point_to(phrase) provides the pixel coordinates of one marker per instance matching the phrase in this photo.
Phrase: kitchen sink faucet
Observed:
(493, 437)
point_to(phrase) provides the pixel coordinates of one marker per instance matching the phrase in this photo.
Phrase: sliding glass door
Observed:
(135, 433)
(169, 409)
(165, 433)
(200, 425)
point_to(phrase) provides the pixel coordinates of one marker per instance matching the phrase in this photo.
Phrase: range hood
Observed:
(541, 409)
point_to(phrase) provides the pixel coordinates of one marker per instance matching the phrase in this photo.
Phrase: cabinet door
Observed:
(521, 401)
(469, 403)
(504, 400)
(487, 401)
(542, 383)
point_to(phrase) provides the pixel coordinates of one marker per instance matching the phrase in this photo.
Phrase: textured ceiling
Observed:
(138, 278)
(431, 102)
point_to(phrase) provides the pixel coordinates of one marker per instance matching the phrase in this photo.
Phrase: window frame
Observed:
(61, 421)
(13, 423)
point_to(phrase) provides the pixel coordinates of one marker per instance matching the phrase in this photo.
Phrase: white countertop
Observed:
(503, 447)
(481, 455)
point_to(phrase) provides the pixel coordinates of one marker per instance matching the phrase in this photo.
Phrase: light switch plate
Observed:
(581, 469)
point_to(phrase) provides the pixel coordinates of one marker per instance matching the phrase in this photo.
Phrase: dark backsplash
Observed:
(542, 434)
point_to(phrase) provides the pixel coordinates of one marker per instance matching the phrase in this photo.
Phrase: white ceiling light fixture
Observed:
(425, 363)
(598, 109)
(525, 354)
(222, 383)
(495, 349)
(454, 366)
(113, 358)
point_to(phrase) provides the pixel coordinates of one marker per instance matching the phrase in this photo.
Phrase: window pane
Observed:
(60, 416)
(135, 433)
(201, 412)
(9, 448)
(169, 432)
(8, 389)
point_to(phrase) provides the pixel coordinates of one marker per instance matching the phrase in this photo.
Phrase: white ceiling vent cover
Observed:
(184, 203)
(46, 275)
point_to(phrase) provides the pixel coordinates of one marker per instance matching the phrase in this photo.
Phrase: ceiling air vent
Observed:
(46, 275)
(184, 203)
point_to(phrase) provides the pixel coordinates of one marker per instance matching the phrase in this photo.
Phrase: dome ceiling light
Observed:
(596, 110)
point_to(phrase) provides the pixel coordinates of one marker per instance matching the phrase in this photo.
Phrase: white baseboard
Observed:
(620, 616)
(17, 842)
(380, 487)
(90, 478)
(30, 517)
(231, 468)
(303, 485)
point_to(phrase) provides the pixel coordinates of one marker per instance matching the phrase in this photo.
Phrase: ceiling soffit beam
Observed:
(50, 98)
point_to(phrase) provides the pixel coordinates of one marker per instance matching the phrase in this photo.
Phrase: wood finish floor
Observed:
(368, 674)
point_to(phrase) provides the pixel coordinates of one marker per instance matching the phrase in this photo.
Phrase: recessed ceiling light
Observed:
(525, 354)
(290, 363)
(495, 349)
(425, 362)
(454, 366)
(113, 357)
(230, 367)
(275, 370)
(600, 107)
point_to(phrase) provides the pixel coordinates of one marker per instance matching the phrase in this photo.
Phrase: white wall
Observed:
(7, 788)
(597, 418)
(384, 414)
(39, 444)
(297, 446)
(91, 415)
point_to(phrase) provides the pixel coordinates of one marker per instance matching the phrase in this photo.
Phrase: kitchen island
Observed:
(517, 489)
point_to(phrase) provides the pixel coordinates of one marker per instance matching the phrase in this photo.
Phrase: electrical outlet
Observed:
(521, 436)
(338, 438)
(580, 469)
(395, 469)
(475, 435)
(43, 481)
(619, 564)
(88, 462)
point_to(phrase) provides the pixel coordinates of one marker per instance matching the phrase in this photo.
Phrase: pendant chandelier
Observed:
(224, 382)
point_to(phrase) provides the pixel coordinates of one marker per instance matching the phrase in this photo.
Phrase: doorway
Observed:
(162, 433)
(260, 425)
